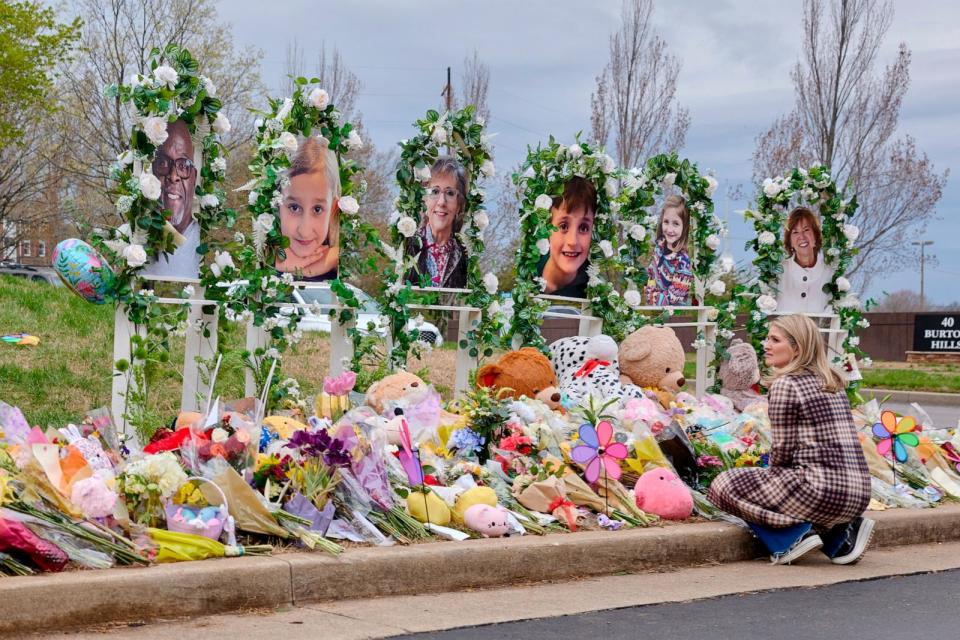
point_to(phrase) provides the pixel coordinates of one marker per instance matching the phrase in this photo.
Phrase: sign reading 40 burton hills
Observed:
(936, 332)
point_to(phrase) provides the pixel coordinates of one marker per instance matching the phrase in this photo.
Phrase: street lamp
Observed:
(922, 244)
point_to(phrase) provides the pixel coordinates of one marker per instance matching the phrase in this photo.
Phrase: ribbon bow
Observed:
(589, 366)
(567, 511)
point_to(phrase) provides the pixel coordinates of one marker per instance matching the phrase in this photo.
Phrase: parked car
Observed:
(28, 273)
(368, 317)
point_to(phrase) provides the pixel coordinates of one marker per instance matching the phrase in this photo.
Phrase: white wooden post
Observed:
(256, 338)
(197, 350)
(123, 383)
(341, 346)
(469, 319)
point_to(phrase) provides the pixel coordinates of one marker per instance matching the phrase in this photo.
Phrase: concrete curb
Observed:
(53, 602)
(923, 397)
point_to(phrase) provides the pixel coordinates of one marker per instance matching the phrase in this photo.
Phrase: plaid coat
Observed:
(817, 470)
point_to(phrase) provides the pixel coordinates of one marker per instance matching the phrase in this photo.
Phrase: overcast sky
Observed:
(544, 57)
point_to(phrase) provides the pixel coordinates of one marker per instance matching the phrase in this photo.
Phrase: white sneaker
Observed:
(809, 542)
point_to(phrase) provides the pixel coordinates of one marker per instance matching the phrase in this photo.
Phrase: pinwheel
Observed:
(895, 434)
(597, 450)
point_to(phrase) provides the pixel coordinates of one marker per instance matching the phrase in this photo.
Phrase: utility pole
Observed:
(448, 92)
(922, 244)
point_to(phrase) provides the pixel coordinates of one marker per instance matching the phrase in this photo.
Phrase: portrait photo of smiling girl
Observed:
(309, 215)
(670, 273)
(564, 268)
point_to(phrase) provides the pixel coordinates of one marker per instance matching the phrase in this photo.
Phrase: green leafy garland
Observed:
(639, 190)
(544, 174)
(172, 89)
(462, 132)
(814, 187)
(252, 288)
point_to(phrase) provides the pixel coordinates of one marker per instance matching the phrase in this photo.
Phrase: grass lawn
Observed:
(69, 372)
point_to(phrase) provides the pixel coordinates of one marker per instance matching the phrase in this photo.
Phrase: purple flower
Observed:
(319, 444)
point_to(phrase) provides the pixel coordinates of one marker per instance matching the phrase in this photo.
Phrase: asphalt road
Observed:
(917, 606)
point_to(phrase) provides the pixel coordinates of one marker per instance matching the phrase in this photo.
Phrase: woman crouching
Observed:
(817, 487)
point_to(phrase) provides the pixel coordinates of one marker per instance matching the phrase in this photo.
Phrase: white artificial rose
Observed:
(529, 173)
(608, 164)
(487, 169)
(851, 231)
(543, 246)
(354, 141)
(610, 186)
(422, 173)
(135, 255)
(407, 226)
(766, 303)
(252, 198)
(481, 220)
(718, 287)
(766, 238)
(632, 298)
(772, 187)
(125, 158)
(606, 247)
(493, 309)
(156, 129)
(843, 284)
(284, 109)
(349, 205)
(219, 435)
(289, 142)
(668, 179)
(575, 151)
(491, 283)
(712, 314)
(638, 232)
(711, 185)
(319, 98)
(209, 87)
(221, 125)
(166, 75)
(149, 186)
(561, 150)
(223, 259)
(209, 201)
(543, 201)
(439, 134)
(713, 241)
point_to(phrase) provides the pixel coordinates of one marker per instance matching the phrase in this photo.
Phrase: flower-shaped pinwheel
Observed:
(598, 450)
(896, 434)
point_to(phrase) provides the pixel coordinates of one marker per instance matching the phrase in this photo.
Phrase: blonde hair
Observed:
(802, 333)
(678, 203)
(314, 155)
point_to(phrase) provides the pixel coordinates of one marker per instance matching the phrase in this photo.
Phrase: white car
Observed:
(368, 317)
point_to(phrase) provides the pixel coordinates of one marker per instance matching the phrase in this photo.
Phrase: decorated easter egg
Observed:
(83, 270)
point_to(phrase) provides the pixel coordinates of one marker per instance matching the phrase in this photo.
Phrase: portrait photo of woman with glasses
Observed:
(441, 257)
(175, 165)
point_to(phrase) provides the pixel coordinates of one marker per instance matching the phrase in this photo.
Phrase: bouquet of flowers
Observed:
(146, 482)
(334, 400)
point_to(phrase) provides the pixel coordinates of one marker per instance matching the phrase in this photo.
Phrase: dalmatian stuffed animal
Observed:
(588, 366)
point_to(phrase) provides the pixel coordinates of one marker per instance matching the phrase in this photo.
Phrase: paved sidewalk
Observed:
(390, 616)
(190, 589)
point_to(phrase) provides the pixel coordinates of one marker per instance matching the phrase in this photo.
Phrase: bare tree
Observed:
(635, 100)
(475, 85)
(502, 236)
(845, 116)
(900, 301)
(117, 39)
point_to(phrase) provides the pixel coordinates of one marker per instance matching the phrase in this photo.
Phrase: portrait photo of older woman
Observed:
(800, 289)
(441, 258)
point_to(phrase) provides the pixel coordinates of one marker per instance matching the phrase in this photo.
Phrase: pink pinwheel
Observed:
(598, 450)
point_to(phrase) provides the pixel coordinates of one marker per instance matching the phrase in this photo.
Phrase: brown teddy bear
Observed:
(392, 387)
(653, 357)
(740, 375)
(525, 372)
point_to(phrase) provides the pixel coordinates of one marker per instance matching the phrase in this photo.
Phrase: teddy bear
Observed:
(525, 372)
(740, 375)
(392, 387)
(653, 357)
(588, 366)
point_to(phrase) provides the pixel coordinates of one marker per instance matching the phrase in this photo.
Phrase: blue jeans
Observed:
(780, 539)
